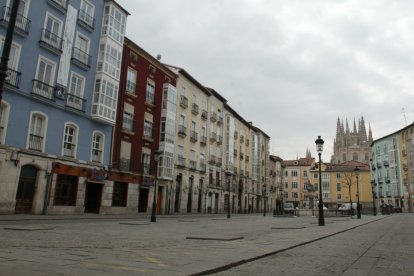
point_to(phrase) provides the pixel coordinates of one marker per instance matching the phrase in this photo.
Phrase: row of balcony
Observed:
(49, 92)
(379, 164)
(192, 164)
(195, 109)
(22, 26)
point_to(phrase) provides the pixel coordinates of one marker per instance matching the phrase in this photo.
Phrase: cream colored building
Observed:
(189, 191)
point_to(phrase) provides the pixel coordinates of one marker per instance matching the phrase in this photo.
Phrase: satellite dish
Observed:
(158, 57)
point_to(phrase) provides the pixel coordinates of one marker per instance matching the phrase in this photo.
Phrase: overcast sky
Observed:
(292, 67)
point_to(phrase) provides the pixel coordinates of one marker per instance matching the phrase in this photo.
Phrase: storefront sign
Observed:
(98, 175)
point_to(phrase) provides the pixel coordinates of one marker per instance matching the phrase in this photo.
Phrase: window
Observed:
(52, 32)
(338, 187)
(86, 12)
(305, 173)
(66, 190)
(97, 147)
(355, 156)
(81, 50)
(146, 163)
(147, 129)
(37, 131)
(114, 23)
(202, 162)
(42, 85)
(131, 80)
(109, 60)
(294, 173)
(4, 118)
(286, 185)
(75, 97)
(315, 175)
(338, 175)
(105, 99)
(14, 55)
(294, 185)
(70, 140)
(339, 196)
(119, 194)
(150, 93)
(165, 165)
(127, 122)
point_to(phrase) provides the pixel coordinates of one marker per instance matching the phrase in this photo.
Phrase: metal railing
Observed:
(52, 40)
(69, 149)
(86, 19)
(75, 102)
(13, 77)
(22, 23)
(35, 142)
(81, 56)
(43, 89)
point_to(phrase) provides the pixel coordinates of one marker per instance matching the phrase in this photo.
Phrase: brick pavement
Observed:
(125, 245)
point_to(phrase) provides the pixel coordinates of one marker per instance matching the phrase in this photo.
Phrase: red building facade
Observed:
(137, 129)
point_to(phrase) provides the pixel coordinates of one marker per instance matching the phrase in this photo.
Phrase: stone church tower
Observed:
(352, 145)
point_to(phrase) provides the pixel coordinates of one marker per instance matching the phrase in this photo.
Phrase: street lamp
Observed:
(319, 148)
(264, 199)
(228, 198)
(374, 208)
(154, 201)
(356, 170)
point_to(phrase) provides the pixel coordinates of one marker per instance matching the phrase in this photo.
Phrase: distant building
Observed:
(339, 185)
(392, 167)
(352, 145)
(297, 181)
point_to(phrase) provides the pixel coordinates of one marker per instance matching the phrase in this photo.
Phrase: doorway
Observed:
(93, 197)
(26, 190)
(143, 200)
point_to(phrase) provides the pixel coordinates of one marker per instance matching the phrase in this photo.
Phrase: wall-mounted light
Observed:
(14, 157)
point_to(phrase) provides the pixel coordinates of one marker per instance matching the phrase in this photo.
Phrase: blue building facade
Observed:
(59, 104)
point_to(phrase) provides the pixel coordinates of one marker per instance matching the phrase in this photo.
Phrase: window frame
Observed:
(74, 142)
(101, 148)
(43, 131)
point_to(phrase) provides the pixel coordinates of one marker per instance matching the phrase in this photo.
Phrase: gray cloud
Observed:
(292, 67)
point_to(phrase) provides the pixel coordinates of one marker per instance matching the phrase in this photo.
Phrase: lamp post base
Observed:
(321, 222)
(153, 219)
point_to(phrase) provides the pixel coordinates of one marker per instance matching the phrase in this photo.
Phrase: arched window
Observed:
(98, 140)
(70, 139)
(37, 131)
(355, 156)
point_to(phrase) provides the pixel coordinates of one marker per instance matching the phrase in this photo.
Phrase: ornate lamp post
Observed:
(374, 208)
(319, 148)
(356, 170)
(154, 201)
